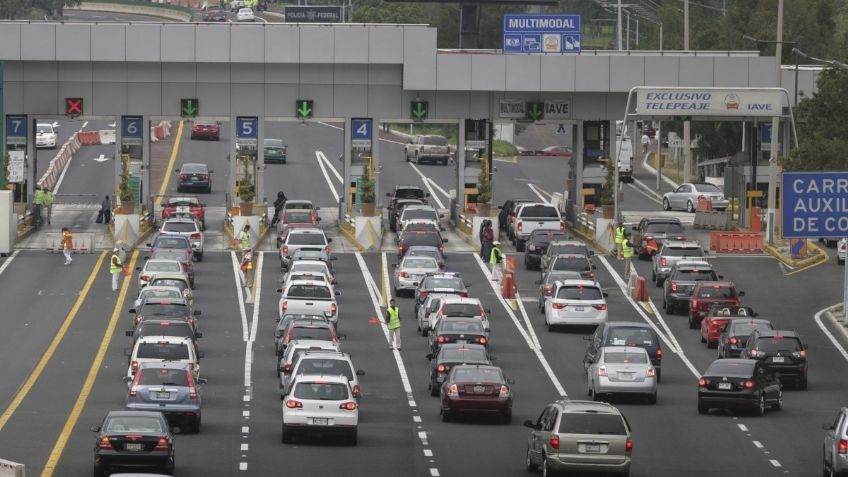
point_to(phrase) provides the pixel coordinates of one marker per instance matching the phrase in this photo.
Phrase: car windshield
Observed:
(576, 264)
(578, 292)
(164, 309)
(155, 328)
(146, 293)
(568, 248)
(310, 254)
(306, 239)
(778, 344)
(630, 336)
(298, 218)
(541, 211)
(745, 327)
(171, 242)
(695, 274)
(165, 351)
(306, 276)
(434, 140)
(298, 204)
(163, 376)
(170, 282)
(311, 333)
(321, 391)
(462, 309)
(422, 238)
(309, 291)
(304, 267)
(561, 275)
(477, 374)
(618, 357)
(592, 423)
(684, 252)
(163, 266)
(706, 188)
(664, 228)
(44, 129)
(419, 262)
(424, 252)
(463, 355)
(409, 193)
(544, 237)
(461, 326)
(134, 424)
(183, 202)
(179, 227)
(333, 367)
(743, 369)
(450, 283)
(717, 292)
(194, 168)
(413, 214)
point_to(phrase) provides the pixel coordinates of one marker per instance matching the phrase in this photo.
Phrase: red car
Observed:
(558, 151)
(188, 206)
(713, 325)
(707, 294)
(476, 389)
(206, 130)
(293, 218)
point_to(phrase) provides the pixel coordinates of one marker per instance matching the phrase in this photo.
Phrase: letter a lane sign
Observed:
(814, 204)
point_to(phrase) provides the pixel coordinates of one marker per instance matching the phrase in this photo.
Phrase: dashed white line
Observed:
(434, 472)
(242, 465)
(416, 418)
(245, 429)
(245, 413)
(758, 444)
(742, 427)
(243, 447)
(8, 261)
(775, 463)
(428, 453)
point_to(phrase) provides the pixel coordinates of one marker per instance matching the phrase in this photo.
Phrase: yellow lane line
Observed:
(175, 151)
(820, 262)
(73, 417)
(51, 349)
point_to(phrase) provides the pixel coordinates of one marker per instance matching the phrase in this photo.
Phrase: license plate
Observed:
(578, 308)
(777, 359)
(462, 341)
(320, 421)
(163, 395)
(724, 385)
(593, 447)
(479, 389)
(195, 178)
(625, 376)
(134, 446)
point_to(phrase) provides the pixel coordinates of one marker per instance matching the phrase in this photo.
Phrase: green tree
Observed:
(56, 8)
(822, 126)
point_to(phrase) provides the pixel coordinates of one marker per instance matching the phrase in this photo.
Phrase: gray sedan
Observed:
(686, 197)
(622, 370)
(170, 388)
(411, 270)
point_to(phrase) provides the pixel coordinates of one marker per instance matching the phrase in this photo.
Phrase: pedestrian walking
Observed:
(627, 254)
(105, 214)
(496, 261)
(116, 267)
(486, 239)
(646, 143)
(37, 204)
(244, 238)
(247, 268)
(393, 324)
(67, 245)
(619, 239)
(48, 203)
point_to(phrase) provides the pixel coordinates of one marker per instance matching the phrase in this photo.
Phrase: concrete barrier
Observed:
(58, 163)
(11, 469)
(107, 136)
(83, 242)
(152, 10)
(368, 232)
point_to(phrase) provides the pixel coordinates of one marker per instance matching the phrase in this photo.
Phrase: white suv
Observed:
(320, 403)
(576, 302)
(155, 349)
(45, 136)
(303, 239)
(312, 362)
(310, 297)
(456, 306)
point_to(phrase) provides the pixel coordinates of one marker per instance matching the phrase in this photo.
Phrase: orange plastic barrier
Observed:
(705, 203)
(508, 285)
(756, 221)
(89, 138)
(736, 242)
(509, 264)
(640, 291)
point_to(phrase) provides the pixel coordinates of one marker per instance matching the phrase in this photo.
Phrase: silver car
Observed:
(673, 251)
(169, 388)
(155, 266)
(427, 311)
(547, 283)
(835, 460)
(411, 270)
(687, 194)
(312, 239)
(157, 292)
(188, 228)
(322, 362)
(558, 247)
(622, 370)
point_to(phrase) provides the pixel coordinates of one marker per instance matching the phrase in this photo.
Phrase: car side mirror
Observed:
(147, 258)
(94, 428)
(429, 356)
(488, 311)
(442, 228)
(394, 265)
(721, 277)
(332, 259)
(176, 171)
(591, 253)
(706, 252)
(279, 290)
(329, 239)
(360, 372)
(132, 311)
(198, 335)
(826, 427)
(211, 172)
(128, 333)
(741, 293)
(606, 294)
(469, 285)
(594, 267)
(510, 381)
(388, 194)
(441, 216)
(138, 269)
(338, 293)
(147, 244)
(197, 313)
(530, 424)
(415, 284)
(127, 379)
(444, 240)
(202, 381)
(342, 337)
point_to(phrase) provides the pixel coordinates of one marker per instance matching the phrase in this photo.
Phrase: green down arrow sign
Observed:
(188, 108)
(535, 111)
(303, 108)
(419, 110)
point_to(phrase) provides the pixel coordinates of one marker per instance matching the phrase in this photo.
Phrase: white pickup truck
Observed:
(532, 216)
(432, 149)
(309, 297)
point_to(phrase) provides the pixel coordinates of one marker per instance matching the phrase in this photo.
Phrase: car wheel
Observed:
(100, 471)
(689, 207)
(703, 340)
(702, 408)
(547, 471)
(660, 281)
(287, 435)
(200, 257)
(446, 417)
(659, 375)
(779, 404)
(692, 324)
(666, 205)
(761, 405)
(802, 384)
(652, 398)
(588, 385)
(519, 245)
(710, 344)
(839, 261)
(434, 389)
(596, 396)
(528, 462)
(506, 417)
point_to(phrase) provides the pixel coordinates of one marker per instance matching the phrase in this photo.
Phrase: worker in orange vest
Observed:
(67, 244)
(652, 247)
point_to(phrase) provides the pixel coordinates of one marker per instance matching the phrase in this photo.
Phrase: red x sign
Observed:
(73, 106)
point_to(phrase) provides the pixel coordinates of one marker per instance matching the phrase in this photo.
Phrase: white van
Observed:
(624, 155)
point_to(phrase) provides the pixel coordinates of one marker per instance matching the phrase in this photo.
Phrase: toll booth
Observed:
(596, 140)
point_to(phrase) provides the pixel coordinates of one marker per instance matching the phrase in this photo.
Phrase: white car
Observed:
(427, 311)
(412, 270)
(188, 228)
(320, 403)
(312, 238)
(306, 269)
(155, 266)
(418, 214)
(309, 297)
(45, 136)
(157, 292)
(576, 302)
(245, 15)
(841, 251)
(622, 370)
(456, 306)
(155, 349)
(299, 346)
(319, 362)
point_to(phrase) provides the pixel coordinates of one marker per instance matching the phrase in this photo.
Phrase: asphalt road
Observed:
(79, 16)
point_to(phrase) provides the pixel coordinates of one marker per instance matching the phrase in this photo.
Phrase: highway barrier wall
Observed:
(169, 12)
(58, 163)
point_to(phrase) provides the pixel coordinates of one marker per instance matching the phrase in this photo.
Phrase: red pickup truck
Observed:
(708, 294)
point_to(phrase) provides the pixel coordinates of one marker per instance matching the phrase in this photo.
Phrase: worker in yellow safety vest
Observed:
(627, 254)
(116, 266)
(37, 204)
(48, 203)
(495, 261)
(619, 238)
(393, 324)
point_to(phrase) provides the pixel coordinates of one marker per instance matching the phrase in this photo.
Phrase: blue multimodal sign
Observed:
(814, 204)
(539, 33)
(247, 127)
(361, 131)
(16, 129)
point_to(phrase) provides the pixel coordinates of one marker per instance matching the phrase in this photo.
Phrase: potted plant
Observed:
(607, 198)
(484, 191)
(368, 193)
(246, 193)
(125, 192)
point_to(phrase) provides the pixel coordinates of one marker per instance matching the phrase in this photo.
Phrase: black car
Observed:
(450, 355)
(457, 330)
(133, 440)
(624, 333)
(439, 283)
(733, 339)
(657, 229)
(573, 263)
(194, 176)
(506, 213)
(396, 206)
(537, 245)
(781, 352)
(681, 281)
(739, 383)
(213, 14)
(412, 237)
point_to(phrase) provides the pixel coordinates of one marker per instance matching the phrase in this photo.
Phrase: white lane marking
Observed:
(527, 320)
(423, 436)
(327, 177)
(429, 187)
(646, 191)
(243, 447)
(386, 294)
(62, 175)
(434, 472)
(242, 465)
(438, 188)
(416, 418)
(246, 398)
(678, 351)
(538, 193)
(245, 413)
(245, 429)
(330, 125)
(775, 463)
(428, 453)
(330, 165)
(244, 330)
(83, 125)
(248, 365)
(665, 324)
(829, 335)
(8, 261)
(758, 444)
(742, 427)
(533, 347)
(373, 292)
(257, 274)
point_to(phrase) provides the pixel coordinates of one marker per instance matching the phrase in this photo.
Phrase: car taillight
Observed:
(733, 341)
(285, 250)
(628, 446)
(591, 275)
(163, 444)
(453, 390)
(531, 248)
(333, 308)
(287, 368)
(204, 176)
(441, 368)
(183, 177)
(441, 249)
(562, 226)
(423, 295)
(285, 305)
(600, 307)
(702, 383)
(663, 262)
(440, 339)
(357, 391)
(673, 287)
(554, 441)
(748, 384)
(134, 387)
(402, 274)
(348, 406)
(602, 371)
(134, 366)
(520, 226)
(185, 266)
(548, 289)
(327, 250)
(195, 235)
(482, 340)
(192, 391)
(504, 391)
(104, 443)
(401, 249)
(694, 303)
(800, 354)
(843, 446)
(292, 404)
(558, 306)
(651, 372)
(754, 353)
(658, 354)
(145, 278)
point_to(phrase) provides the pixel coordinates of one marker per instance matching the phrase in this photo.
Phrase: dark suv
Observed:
(784, 353)
(681, 281)
(624, 333)
(537, 245)
(656, 229)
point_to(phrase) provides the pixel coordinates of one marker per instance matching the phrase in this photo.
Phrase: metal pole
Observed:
(659, 155)
(687, 151)
(775, 132)
(628, 30)
(2, 134)
(618, 25)
(661, 37)
(845, 295)
(637, 32)
(686, 25)
(795, 103)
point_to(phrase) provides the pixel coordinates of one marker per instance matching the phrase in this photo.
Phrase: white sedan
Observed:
(686, 197)
(245, 15)
(45, 136)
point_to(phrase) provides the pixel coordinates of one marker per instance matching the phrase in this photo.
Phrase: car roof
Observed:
(164, 364)
(681, 244)
(306, 282)
(478, 366)
(311, 343)
(168, 339)
(625, 349)
(462, 299)
(454, 346)
(692, 264)
(581, 282)
(628, 324)
(155, 300)
(317, 378)
(569, 405)
(569, 255)
(324, 354)
(306, 230)
(567, 242)
(179, 219)
(663, 219)
(775, 333)
(153, 414)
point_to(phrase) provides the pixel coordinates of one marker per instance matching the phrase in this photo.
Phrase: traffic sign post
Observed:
(247, 130)
(304, 109)
(361, 132)
(541, 33)
(189, 107)
(132, 130)
(419, 110)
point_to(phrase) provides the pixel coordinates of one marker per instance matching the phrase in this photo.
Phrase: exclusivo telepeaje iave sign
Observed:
(708, 102)
(814, 204)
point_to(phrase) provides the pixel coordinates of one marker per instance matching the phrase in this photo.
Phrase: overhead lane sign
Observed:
(540, 33)
(814, 204)
(708, 102)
